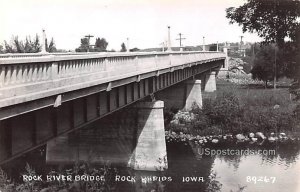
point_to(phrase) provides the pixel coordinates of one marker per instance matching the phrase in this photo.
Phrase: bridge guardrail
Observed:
(40, 73)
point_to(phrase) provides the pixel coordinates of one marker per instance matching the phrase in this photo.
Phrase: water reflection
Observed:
(188, 171)
(233, 170)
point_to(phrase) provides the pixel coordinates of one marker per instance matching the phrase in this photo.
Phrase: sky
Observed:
(144, 22)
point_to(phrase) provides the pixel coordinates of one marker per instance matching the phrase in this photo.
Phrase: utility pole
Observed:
(203, 44)
(241, 42)
(127, 44)
(180, 39)
(242, 52)
(89, 37)
(169, 39)
(217, 46)
(44, 42)
(242, 38)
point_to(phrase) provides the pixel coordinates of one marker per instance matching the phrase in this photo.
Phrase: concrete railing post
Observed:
(150, 152)
(170, 59)
(156, 61)
(54, 70)
(105, 64)
(136, 61)
(2, 75)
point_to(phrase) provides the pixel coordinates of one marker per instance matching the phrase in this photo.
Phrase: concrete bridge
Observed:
(43, 96)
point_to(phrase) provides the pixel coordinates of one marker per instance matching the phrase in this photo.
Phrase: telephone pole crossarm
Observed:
(180, 39)
(89, 37)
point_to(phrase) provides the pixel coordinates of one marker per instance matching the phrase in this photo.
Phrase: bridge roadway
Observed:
(44, 96)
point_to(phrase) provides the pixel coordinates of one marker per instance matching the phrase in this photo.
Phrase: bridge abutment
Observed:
(150, 152)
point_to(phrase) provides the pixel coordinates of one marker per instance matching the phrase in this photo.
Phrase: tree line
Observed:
(100, 45)
(29, 45)
(34, 45)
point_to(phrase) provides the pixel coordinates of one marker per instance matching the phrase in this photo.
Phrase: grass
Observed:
(243, 109)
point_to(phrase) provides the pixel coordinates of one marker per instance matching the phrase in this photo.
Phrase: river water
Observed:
(252, 172)
(191, 169)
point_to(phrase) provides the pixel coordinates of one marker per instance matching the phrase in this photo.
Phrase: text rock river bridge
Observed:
(45, 96)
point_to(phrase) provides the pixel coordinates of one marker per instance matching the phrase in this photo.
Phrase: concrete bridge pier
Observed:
(193, 94)
(210, 82)
(183, 95)
(150, 153)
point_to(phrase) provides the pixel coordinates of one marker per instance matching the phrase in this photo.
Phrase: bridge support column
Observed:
(193, 94)
(210, 82)
(150, 152)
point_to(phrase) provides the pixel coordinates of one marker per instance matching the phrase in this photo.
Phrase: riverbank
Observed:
(241, 108)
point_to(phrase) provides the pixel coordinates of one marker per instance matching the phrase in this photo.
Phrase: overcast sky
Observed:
(144, 22)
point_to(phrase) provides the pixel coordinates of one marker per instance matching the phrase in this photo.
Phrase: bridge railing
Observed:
(20, 55)
(39, 73)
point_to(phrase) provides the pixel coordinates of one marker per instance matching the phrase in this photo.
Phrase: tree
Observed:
(134, 49)
(84, 45)
(8, 48)
(51, 47)
(101, 44)
(263, 64)
(274, 21)
(123, 47)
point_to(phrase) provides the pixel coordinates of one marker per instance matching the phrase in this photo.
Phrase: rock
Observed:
(240, 137)
(254, 139)
(251, 135)
(229, 136)
(260, 135)
(246, 138)
(276, 106)
(282, 134)
(215, 141)
(271, 139)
